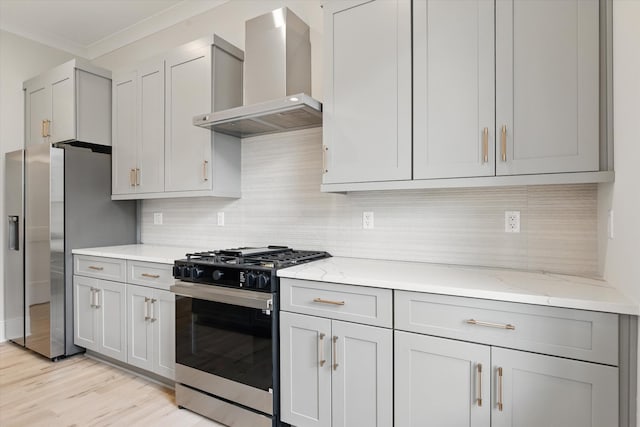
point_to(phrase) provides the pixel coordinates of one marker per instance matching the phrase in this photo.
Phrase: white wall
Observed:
(620, 256)
(20, 59)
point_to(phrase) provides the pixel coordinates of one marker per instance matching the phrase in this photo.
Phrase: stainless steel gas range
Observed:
(227, 362)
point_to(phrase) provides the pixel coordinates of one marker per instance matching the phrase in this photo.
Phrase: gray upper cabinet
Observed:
(69, 102)
(453, 88)
(161, 153)
(505, 92)
(367, 96)
(547, 86)
(138, 129)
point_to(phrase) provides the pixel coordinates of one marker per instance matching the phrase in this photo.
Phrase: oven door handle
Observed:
(240, 297)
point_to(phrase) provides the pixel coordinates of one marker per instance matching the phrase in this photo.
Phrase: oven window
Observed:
(230, 341)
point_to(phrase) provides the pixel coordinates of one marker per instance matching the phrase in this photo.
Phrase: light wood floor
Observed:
(79, 392)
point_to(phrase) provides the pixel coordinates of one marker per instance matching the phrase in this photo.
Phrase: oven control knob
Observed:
(217, 274)
(197, 273)
(185, 272)
(263, 281)
(251, 280)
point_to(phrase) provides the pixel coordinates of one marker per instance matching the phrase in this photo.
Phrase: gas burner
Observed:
(246, 267)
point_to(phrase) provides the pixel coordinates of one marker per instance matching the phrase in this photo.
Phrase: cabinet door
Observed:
(367, 105)
(112, 321)
(150, 153)
(139, 328)
(37, 98)
(188, 93)
(362, 375)
(124, 131)
(163, 309)
(453, 103)
(63, 104)
(305, 370)
(537, 390)
(547, 86)
(441, 382)
(84, 313)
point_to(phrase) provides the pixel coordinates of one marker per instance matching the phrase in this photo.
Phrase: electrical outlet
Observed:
(157, 218)
(220, 219)
(512, 221)
(367, 220)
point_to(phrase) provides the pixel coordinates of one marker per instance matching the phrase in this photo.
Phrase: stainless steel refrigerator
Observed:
(56, 199)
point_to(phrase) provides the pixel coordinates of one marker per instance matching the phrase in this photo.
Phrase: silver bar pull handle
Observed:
(490, 324)
(479, 372)
(335, 353)
(97, 298)
(321, 359)
(324, 159)
(146, 309)
(326, 301)
(153, 309)
(504, 143)
(485, 145)
(500, 389)
(93, 267)
(205, 170)
(92, 298)
(150, 276)
(14, 232)
(137, 176)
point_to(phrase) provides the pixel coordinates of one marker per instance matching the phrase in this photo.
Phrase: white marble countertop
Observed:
(476, 282)
(148, 253)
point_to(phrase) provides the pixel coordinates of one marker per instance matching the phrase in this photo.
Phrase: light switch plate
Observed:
(157, 218)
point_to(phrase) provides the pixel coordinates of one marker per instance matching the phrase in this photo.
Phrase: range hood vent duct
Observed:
(277, 80)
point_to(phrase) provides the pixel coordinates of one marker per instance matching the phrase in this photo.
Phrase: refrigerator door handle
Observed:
(14, 232)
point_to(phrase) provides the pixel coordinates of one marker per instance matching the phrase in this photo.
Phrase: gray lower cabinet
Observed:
(444, 383)
(151, 330)
(100, 316)
(123, 309)
(532, 390)
(335, 373)
(453, 383)
(463, 373)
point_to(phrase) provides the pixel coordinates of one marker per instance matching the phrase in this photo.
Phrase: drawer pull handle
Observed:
(326, 301)
(151, 276)
(490, 325)
(485, 145)
(153, 309)
(321, 358)
(146, 309)
(504, 143)
(479, 371)
(335, 353)
(92, 298)
(93, 267)
(500, 389)
(97, 294)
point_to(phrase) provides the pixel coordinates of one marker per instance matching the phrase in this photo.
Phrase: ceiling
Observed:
(91, 28)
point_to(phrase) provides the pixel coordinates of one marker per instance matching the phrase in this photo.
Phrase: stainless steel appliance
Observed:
(56, 199)
(227, 332)
(277, 79)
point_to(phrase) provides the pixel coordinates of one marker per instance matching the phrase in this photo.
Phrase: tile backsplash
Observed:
(282, 204)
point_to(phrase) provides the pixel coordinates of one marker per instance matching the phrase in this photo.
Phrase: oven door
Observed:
(224, 343)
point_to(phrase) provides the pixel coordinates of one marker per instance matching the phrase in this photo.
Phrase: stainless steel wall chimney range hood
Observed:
(277, 80)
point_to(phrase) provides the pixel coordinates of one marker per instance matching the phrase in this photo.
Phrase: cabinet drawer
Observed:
(99, 267)
(576, 334)
(150, 274)
(360, 304)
